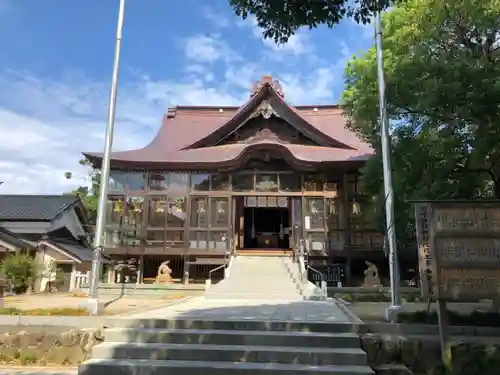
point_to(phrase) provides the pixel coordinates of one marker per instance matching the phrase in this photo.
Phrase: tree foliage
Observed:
(88, 192)
(20, 271)
(441, 62)
(281, 19)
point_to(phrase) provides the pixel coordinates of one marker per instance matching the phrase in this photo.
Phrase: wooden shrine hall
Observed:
(256, 177)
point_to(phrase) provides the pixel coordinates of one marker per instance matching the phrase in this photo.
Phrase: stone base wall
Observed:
(44, 347)
(62, 346)
(423, 355)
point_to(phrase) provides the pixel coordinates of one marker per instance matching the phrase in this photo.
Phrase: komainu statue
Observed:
(164, 273)
(371, 275)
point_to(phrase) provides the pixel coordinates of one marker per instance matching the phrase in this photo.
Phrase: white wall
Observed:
(47, 256)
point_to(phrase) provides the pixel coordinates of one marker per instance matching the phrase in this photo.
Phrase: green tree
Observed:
(88, 193)
(281, 19)
(442, 74)
(20, 271)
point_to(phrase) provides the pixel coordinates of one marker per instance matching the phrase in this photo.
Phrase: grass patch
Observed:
(45, 312)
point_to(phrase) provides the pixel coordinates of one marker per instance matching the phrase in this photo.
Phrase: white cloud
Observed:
(217, 18)
(46, 122)
(298, 44)
(367, 31)
(318, 85)
(208, 49)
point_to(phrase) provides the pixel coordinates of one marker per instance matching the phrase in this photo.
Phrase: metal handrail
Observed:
(317, 272)
(300, 256)
(227, 258)
(215, 269)
(305, 255)
(231, 246)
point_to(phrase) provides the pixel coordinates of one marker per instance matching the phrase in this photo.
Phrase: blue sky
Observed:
(56, 63)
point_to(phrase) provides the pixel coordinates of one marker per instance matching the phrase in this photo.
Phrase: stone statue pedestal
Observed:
(164, 279)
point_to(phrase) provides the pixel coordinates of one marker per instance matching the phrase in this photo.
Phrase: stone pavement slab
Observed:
(200, 308)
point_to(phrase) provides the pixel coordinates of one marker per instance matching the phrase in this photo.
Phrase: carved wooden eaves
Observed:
(265, 109)
(263, 135)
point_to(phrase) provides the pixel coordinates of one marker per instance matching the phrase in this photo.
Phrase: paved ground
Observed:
(116, 306)
(227, 309)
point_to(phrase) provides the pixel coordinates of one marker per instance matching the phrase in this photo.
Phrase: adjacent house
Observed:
(52, 228)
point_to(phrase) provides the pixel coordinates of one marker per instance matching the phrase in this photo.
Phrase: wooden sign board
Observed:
(459, 249)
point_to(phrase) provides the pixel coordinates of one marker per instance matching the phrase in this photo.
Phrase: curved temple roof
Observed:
(188, 136)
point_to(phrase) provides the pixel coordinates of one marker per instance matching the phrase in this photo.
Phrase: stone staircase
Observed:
(228, 347)
(257, 277)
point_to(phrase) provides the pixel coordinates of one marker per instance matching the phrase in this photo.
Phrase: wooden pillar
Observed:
(344, 224)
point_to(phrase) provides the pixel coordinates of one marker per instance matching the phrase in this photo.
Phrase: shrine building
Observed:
(249, 179)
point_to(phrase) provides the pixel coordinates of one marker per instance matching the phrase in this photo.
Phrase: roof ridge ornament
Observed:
(275, 84)
(171, 112)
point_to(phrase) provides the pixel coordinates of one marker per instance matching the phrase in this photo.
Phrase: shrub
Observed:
(19, 271)
(376, 297)
(476, 318)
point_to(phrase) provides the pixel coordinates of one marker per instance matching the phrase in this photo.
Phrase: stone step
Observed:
(255, 296)
(272, 293)
(264, 252)
(157, 367)
(255, 277)
(225, 353)
(239, 325)
(231, 337)
(269, 284)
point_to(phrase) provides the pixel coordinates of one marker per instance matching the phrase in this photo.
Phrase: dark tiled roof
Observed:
(14, 240)
(34, 207)
(74, 248)
(63, 239)
(187, 127)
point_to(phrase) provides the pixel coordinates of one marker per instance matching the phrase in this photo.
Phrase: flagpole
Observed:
(94, 306)
(388, 188)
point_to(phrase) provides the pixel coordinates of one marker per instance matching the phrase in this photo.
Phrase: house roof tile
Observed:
(34, 207)
(13, 239)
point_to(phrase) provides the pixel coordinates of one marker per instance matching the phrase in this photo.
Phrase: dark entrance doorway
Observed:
(266, 223)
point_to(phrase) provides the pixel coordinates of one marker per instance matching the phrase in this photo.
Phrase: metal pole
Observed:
(386, 162)
(94, 306)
